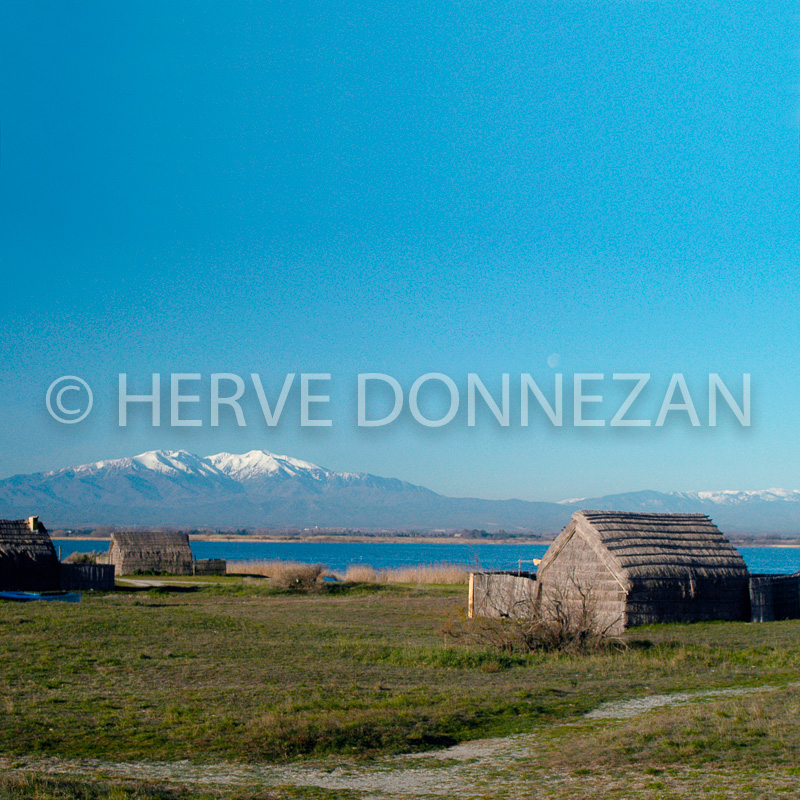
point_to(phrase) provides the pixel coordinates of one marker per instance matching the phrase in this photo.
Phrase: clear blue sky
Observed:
(404, 188)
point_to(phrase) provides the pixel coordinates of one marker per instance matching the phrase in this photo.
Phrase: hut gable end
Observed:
(579, 537)
(580, 584)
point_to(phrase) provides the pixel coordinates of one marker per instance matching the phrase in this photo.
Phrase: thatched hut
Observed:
(150, 551)
(619, 569)
(28, 560)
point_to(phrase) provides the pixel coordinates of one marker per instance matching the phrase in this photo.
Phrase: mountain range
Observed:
(261, 489)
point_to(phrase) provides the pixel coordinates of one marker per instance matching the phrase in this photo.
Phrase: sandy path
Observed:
(624, 709)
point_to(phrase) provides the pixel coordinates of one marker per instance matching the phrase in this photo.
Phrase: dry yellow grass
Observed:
(423, 573)
(286, 573)
(282, 574)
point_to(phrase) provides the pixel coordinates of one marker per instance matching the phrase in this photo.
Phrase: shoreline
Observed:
(326, 540)
(416, 540)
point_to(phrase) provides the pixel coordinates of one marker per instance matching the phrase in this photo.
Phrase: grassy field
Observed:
(238, 675)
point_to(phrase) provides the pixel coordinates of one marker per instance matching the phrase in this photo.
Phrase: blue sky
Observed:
(406, 188)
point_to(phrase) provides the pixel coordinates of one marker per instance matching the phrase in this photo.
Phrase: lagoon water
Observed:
(338, 555)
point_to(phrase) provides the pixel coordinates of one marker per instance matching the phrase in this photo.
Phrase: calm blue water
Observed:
(339, 555)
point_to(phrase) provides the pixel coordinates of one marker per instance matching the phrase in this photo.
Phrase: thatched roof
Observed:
(147, 540)
(652, 545)
(18, 539)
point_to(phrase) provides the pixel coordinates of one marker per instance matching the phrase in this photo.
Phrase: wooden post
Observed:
(471, 603)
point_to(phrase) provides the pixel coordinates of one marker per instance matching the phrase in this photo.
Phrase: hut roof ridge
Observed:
(650, 544)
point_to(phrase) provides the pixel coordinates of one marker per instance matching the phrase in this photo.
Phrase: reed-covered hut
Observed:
(28, 560)
(617, 569)
(134, 552)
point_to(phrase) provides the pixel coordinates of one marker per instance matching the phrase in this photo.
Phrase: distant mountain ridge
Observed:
(262, 489)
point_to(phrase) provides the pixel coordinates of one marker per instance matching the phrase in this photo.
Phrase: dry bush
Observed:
(565, 619)
(516, 635)
(361, 573)
(282, 574)
(423, 573)
(84, 558)
(297, 576)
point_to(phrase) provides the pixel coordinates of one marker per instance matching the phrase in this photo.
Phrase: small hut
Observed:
(28, 560)
(621, 569)
(150, 551)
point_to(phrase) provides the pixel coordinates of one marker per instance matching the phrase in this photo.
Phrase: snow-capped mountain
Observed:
(262, 489)
(732, 497)
(679, 501)
(175, 487)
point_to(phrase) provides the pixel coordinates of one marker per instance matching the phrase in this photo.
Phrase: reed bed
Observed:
(288, 573)
(422, 573)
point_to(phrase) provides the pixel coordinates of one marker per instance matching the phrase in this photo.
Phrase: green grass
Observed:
(238, 672)
(47, 787)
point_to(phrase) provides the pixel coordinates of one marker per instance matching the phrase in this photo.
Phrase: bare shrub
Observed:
(566, 618)
(301, 577)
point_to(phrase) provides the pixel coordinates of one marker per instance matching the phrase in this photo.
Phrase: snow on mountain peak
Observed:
(253, 464)
(167, 461)
(164, 461)
(735, 496)
(257, 463)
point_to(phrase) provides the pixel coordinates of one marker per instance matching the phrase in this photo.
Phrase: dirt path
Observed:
(436, 774)
(154, 583)
(625, 709)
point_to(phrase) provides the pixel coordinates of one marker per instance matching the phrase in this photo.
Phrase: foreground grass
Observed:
(48, 787)
(42, 787)
(236, 672)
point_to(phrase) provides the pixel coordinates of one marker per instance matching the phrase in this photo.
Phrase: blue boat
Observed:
(26, 597)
